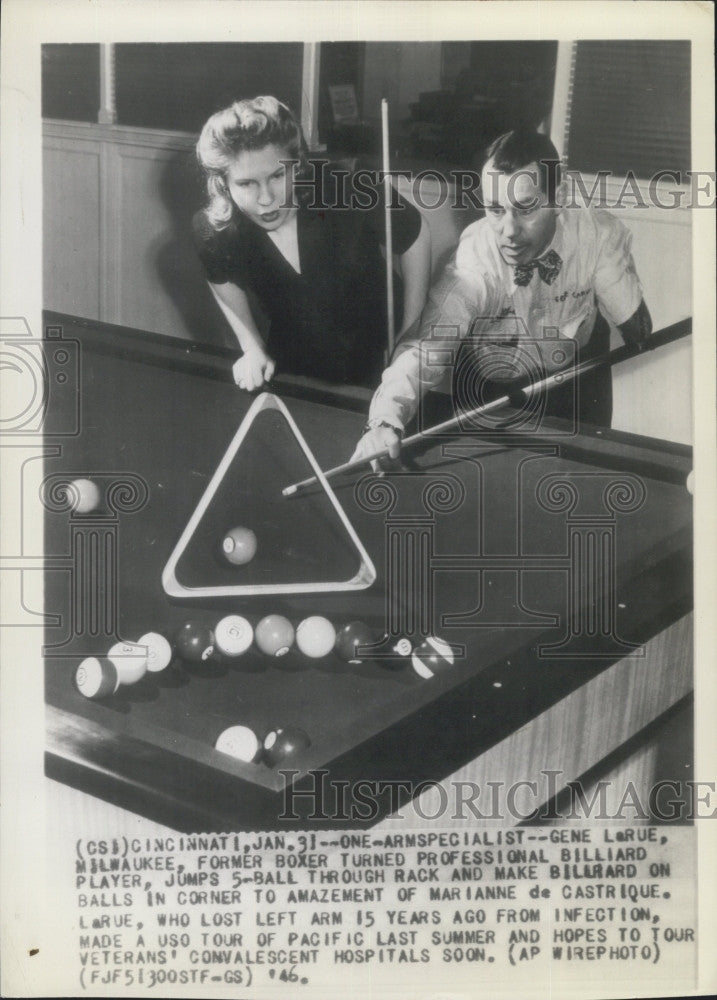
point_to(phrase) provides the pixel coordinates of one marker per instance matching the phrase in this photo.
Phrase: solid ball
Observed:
(239, 742)
(85, 495)
(159, 651)
(96, 678)
(194, 642)
(274, 635)
(350, 637)
(131, 661)
(432, 657)
(282, 743)
(690, 484)
(239, 546)
(233, 635)
(315, 636)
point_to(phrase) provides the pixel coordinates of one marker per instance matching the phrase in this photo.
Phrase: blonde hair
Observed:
(244, 126)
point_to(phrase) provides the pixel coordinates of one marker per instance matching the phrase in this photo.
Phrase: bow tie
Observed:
(548, 269)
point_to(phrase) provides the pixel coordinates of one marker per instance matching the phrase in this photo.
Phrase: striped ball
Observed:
(431, 657)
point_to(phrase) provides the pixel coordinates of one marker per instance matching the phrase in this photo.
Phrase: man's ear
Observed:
(561, 194)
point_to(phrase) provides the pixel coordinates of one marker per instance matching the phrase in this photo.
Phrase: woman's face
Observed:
(260, 185)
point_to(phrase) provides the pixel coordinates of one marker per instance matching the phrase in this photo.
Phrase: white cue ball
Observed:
(239, 742)
(96, 678)
(159, 651)
(85, 496)
(131, 661)
(690, 484)
(315, 636)
(233, 635)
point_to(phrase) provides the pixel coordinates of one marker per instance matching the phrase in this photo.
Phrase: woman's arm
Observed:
(415, 266)
(255, 366)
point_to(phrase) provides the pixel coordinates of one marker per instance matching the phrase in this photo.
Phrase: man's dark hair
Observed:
(519, 148)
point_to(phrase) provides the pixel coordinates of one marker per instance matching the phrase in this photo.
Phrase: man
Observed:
(529, 275)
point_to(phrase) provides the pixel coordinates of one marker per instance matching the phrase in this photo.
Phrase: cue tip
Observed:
(289, 491)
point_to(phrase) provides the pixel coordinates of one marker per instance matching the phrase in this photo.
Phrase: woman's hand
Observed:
(253, 369)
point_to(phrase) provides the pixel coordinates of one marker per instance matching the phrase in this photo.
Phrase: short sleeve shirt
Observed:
(330, 320)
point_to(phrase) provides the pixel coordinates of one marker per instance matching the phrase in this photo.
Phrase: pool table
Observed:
(557, 565)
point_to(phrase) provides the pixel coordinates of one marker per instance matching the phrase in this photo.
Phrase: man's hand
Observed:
(381, 438)
(637, 329)
(253, 369)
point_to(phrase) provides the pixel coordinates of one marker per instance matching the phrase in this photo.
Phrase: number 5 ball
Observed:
(315, 636)
(274, 635)
(233, 635)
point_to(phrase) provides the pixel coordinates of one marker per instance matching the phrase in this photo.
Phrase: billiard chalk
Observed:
(96, 678)
(315, 636)
(131, 661)
(233, 635)
(431, 657)
(84, 496)
(159, 651)
(239, 742)
(282, 743)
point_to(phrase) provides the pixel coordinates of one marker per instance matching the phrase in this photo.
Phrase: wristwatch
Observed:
(382, 423)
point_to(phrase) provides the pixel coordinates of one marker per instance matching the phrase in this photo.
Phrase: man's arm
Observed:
(416, 274)
(420, 363)
(637, 328)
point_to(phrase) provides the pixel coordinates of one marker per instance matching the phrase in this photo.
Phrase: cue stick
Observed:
(624, 353)
(388, 194)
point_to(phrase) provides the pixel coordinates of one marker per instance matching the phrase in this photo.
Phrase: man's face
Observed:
(518, 212)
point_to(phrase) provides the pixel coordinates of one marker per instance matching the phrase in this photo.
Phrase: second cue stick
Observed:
(388, 194)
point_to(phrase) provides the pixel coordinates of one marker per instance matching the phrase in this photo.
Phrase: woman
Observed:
(273, 234)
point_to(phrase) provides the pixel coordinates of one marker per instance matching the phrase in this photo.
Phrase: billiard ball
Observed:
(690, 484)
(159, 651)
(282, 743)
(315, 636)
(431, 657)
(239, 742)
(96, 678)
(233, 635)
(131, 661)
(194, 642)
(274, 635)
(349, 637)
(403, 647)
(85, 495)
(239, 546)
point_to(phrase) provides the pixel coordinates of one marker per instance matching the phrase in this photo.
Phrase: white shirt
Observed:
(477, 296)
